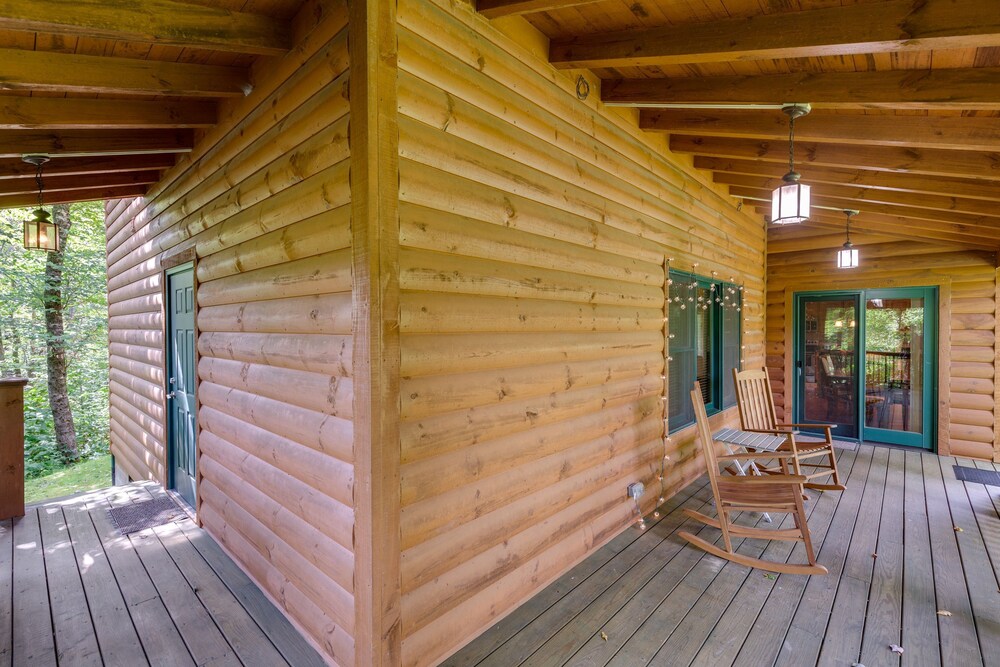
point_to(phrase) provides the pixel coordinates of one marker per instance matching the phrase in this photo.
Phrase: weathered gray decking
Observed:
(905, 543)
(74, 592)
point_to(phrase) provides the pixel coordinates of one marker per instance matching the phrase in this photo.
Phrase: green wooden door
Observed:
(181, 409)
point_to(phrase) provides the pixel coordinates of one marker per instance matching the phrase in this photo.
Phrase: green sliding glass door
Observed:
(865, 360)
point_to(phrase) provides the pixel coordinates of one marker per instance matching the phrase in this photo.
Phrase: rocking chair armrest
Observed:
(826, 427)
(767, 479)
(756, 456)
(772, 431)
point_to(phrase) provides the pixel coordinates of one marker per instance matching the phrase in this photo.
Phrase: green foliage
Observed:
(22, 333)
(84, 476)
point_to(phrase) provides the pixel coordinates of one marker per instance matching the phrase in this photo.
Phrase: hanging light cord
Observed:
(791, 143)
(38, 182)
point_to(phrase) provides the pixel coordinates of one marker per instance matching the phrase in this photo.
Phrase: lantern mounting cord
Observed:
(38, 160)
(793, 111)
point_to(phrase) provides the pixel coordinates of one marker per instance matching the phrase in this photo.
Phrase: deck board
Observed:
(894, 560)
(165, 596)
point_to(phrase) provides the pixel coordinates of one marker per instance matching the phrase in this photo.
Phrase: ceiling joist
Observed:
(492, 9)
(34, 113)
(901, 227)
(18, 186)
(951, 132)
(965, 88)
(14, 143)
(934, 162)
(880, 180)
(17, 169)
(71, 196)
(63, 72)
(895, 25)
(164, 22)
(865, 196)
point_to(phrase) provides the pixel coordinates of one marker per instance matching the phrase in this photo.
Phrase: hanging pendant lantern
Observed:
(847, 257)
(790, 201)
(40, 233)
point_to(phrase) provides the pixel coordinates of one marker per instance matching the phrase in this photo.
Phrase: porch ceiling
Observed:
(114, 91)
(906, 99)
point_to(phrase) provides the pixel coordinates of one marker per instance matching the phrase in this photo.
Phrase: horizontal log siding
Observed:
(967, 324)
(264, 200)
(533, 230)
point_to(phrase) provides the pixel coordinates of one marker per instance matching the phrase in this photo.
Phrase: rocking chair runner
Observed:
(756, 408)
(768, 493)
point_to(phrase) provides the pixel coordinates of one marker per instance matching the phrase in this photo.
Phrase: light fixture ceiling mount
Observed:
(790, 201)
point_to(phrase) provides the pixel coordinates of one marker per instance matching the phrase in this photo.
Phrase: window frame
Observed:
(717, 341)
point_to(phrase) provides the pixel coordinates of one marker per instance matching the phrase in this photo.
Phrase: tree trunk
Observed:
(55, 343)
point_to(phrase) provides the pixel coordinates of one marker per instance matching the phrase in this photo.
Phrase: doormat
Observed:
(977, 476)
(139, 516)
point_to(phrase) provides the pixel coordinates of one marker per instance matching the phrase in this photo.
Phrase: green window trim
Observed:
(704, 343)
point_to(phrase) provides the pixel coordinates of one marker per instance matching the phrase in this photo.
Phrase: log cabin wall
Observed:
(533, 228)
(967, 337)
(264, 204)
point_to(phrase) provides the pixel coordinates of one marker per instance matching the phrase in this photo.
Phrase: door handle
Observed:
(171, 395)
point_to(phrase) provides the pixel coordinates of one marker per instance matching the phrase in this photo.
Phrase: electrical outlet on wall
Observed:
(635, 490)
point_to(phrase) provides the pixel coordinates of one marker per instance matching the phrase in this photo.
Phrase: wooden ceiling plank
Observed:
(951, 132)
(965, 88)
(32, 113)
(62, 72)
(17, 169)
(492, 9)
(928, 161)
(879, 180)
(165, 22)
(894, 25)
(14, 186)
(865, 196)
(15, 143)
(72, 196)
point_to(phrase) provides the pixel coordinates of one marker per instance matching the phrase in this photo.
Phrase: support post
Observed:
(374, 142)
(12, 447)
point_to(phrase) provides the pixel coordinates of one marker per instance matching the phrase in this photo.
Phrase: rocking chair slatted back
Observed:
(754, 400)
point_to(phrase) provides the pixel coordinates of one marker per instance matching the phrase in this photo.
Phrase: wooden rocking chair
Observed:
(781, 493)
(756, 407)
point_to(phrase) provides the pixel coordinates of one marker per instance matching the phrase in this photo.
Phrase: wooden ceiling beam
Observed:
(64, 72)
(15, 143)
(15, 168)
(72, 196)
(866, 196)
(163, 22)
(965, 88)
(962, 221)
(894, 25)
(492, 9)
(17, 186)
(43, 113)
(903, 228)
(929, 161)
(879, 180)
(951, 132)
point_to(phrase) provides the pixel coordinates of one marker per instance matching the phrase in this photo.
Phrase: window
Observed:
(704, 330)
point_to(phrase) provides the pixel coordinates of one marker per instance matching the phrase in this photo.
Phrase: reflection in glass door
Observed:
(828, 362)
(899, 370)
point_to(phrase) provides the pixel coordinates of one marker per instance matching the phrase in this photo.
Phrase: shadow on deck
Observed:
(914, 560)
(75, 592)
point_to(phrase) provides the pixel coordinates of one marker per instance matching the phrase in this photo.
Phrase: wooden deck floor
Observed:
(914, 560)
(74, 592)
